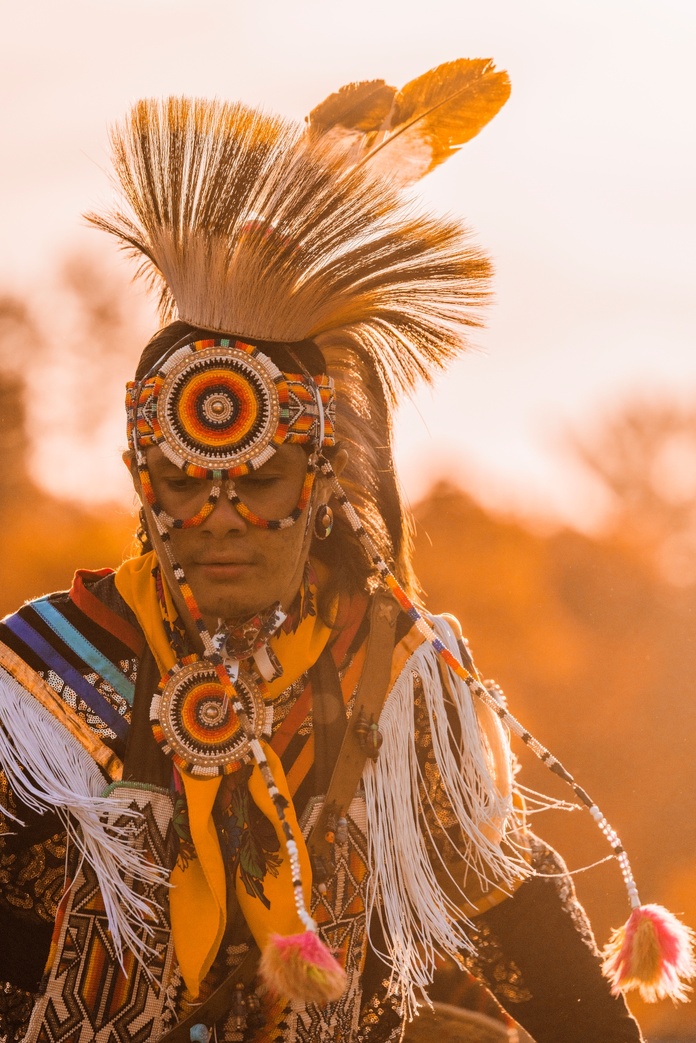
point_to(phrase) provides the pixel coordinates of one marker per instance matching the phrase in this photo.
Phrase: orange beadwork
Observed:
(222, 408)
(203, 721)
(277, 523)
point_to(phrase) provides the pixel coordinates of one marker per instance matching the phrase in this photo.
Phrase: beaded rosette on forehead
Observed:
(221, 408)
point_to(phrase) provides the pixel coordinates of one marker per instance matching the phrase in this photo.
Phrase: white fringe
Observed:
(420, 922)
(48, 770)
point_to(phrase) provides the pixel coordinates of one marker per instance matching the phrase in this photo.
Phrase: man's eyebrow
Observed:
(267, 468)
(169, 470)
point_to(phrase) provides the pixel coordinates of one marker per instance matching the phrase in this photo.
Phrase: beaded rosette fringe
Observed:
(196, 719)
(223, 405)
(420, 921)
(219, 409)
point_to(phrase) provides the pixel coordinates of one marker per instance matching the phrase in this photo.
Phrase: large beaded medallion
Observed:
(195, 722)
(219, 407)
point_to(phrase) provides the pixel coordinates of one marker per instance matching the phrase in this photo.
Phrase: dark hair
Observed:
(342, 553)
(284, 355)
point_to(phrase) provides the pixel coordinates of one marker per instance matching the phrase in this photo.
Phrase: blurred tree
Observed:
(44, 539)
(92, 327)
(645, 459)
(101, 337)
(18, 338)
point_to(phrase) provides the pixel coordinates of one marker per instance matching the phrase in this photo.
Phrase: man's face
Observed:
(234, 568)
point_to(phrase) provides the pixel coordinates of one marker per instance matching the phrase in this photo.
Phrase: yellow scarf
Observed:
(198, 899)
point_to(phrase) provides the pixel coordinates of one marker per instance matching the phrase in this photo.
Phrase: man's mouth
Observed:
(224, 567)
(224, 561)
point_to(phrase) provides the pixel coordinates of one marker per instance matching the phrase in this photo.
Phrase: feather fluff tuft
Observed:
(653, 953)
(300, 968)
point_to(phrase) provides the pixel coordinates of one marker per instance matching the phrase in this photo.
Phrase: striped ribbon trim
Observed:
(72, 677)
(84, 648)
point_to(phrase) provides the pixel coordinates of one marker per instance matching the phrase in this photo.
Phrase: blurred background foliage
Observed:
(590, 636)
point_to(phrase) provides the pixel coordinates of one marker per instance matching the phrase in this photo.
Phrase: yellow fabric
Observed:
(136, 585)
(198, 900)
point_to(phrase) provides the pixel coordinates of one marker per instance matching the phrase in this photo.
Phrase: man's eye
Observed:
(181, 485)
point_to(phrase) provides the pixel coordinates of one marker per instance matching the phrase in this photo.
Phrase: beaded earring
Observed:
(141, 534)
(323, 522)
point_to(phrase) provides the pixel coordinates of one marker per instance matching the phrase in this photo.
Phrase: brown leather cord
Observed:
(170, 579)
(328, 720)
(218, 1004)
(144, 759)
(369, 699)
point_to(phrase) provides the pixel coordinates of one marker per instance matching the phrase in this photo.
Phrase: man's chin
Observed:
(232, 611)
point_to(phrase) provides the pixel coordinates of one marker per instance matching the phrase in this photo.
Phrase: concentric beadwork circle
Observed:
(193, 720)
(218, 408)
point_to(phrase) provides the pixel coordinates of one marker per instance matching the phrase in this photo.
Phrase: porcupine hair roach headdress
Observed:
(255, 226)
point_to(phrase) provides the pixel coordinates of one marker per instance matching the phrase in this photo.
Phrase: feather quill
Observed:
(427, 121)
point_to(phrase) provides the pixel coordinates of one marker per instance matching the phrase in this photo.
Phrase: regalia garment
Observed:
(86, 645)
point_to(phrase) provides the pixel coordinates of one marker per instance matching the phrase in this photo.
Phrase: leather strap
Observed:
(369, 699)
(329, 721)
(144, 760)
(219, 1003)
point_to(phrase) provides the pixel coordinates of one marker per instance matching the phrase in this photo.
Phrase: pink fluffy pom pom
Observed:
(300, 967)
(652, 952)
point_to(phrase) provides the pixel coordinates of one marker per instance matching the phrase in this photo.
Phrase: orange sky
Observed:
(582, 190)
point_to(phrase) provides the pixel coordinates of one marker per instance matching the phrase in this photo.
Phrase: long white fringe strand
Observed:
(48, 770)
(419, 920)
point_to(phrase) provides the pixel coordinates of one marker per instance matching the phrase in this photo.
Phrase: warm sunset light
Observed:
(581, 191)
(551, 471)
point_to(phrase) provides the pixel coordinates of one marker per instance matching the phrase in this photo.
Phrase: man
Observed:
(281, 792)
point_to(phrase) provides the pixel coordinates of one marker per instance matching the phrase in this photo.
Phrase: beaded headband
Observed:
(221, 408)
